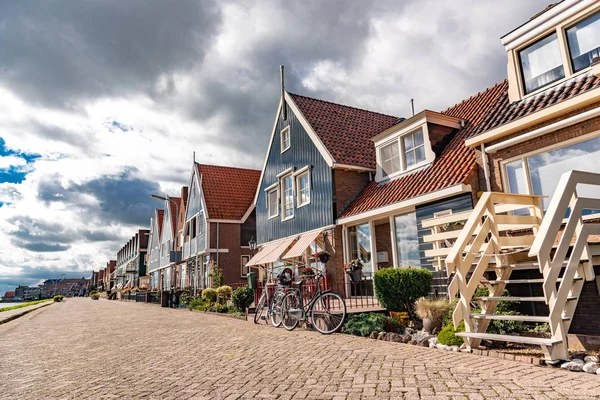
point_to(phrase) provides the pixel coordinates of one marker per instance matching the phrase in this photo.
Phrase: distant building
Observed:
(64, 287)
(9, 296)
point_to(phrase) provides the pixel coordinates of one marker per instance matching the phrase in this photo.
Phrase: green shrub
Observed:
(93, 292)
(198, 303)
(186, 296)
(224, 292)
(364, 324)
(95, 296)
(210, 294)
(392, 325)
(447, 335)
(219, 308)
(447, 317)
(58, 298)
(217, 277)
(503, 308)
(398, 288)
(241, 298)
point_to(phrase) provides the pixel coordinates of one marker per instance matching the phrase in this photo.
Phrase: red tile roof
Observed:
(505, 112)
(345, 131)
(160, 215)
(455, 164)
(228, 191)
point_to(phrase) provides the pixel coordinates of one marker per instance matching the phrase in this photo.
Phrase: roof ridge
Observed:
(343, 105)
(229, 167)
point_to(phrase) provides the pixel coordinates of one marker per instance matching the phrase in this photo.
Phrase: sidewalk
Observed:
(7, 316)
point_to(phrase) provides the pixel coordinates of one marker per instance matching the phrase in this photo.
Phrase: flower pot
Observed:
(430, 324)
(324, 258)
(355, 276)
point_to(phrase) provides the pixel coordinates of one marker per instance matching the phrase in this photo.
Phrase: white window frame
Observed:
(414, 149)
(283, 199)
(298, 176)
(400, 158)
(399, 140)
(523, 158)
(243, 264)
(269, 191)
(285, 132)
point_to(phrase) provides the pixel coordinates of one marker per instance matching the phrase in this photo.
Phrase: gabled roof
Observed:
(345, 131)
(228, 191)
(455, 165)
(505, 112)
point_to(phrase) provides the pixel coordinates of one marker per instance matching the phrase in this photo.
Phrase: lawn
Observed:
(31, 303)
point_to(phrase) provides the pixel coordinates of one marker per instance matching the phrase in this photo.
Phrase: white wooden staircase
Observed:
(498, 239)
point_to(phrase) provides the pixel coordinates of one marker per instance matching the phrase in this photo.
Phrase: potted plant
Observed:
(307, 272)
(95, 296)
(431, 311)
(322, 255)
(354, 269)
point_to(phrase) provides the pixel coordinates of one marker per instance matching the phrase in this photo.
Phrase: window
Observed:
(245, 269)
(407, 241)
(414, 148)
(287, 200)
(390, 159)
(285, 139)
(193, 225)
(539, 173)
(360, 246)
(541, 63)
(193, 190)
(272, 203)
(303, 184)
(584, 42)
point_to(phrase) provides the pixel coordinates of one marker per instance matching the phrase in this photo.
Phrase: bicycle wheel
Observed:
(260, 307)
(328, 313)
(276, 310)
(290, 301)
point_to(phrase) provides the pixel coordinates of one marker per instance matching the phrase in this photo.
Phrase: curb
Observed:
(4, 321)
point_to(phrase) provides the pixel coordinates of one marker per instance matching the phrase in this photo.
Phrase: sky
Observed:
(103, 102)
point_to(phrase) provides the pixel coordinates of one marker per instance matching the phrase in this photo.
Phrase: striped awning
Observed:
(270, 252)
(302, 244)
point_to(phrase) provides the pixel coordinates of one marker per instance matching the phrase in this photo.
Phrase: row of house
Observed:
(68, 287)
(362, 184)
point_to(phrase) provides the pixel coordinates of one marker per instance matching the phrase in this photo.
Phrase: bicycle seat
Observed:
(298, 283)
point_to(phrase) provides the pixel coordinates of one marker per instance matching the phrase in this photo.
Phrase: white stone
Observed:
(598, 371)
(590, 367)
(588, 359)
(455, 348)
(575, 367)
(578, 361)
(566, 365)
(431, 345)
(433, 340)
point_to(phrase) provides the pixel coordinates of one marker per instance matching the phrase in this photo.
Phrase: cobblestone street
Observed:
(102, 349)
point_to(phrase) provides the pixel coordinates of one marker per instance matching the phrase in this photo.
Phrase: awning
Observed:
(302, 244)
(270, 252)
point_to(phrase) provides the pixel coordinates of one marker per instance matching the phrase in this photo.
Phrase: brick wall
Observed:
(383, 242)
(335, 265)
(230, 262)
(347, 185)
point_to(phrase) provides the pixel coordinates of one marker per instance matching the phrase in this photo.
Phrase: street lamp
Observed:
(252, 245)
(163, 198)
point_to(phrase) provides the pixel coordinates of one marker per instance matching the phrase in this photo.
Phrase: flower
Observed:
(318, 254)
(354, 265)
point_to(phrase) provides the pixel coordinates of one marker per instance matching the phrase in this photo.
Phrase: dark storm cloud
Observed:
(41, 247)
(122, 199)
(32, 276)
(56, 52)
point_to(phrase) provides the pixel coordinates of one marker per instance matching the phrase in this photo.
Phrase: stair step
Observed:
(524, 318)
(510, 338)
(503, 298)
(517, 281)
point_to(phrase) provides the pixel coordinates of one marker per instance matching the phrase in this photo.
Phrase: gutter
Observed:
(543, 130)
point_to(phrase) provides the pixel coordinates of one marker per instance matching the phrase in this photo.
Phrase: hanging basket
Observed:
(324, 258)
(355, 276)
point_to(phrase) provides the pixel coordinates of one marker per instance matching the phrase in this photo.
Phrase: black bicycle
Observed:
(327, 310)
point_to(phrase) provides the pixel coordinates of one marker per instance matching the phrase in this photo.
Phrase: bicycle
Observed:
(327, 309)
(272, 304)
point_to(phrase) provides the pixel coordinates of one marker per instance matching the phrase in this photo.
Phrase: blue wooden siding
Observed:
(302, 152)
(167, 236)
(457, 204)
(154, 246)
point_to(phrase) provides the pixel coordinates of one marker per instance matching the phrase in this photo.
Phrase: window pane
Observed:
(584, 42)
(407, 241)
(546, 169)
(541, 63)
(418, 138)
(288, 198)
(516, 177)
(360, 245)
(410, 158)
(272, 199)
(420, 154)
(408, 142)
(390, 158)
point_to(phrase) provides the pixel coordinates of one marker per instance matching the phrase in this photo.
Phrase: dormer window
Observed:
(584, 42)
(414, 148)
(390, 158)
(541, 63)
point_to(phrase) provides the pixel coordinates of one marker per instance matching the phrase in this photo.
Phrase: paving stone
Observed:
(106, 350)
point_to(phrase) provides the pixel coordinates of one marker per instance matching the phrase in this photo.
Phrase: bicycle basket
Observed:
(286, 277)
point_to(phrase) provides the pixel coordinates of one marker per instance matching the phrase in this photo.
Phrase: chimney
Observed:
(283, 107)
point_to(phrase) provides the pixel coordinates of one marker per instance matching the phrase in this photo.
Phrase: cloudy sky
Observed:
(102, 102)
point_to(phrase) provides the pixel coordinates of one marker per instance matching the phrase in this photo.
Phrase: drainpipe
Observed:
(486, 169)
(217, 244)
